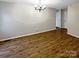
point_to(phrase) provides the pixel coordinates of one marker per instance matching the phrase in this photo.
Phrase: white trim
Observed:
(26, 35)
(73, 35)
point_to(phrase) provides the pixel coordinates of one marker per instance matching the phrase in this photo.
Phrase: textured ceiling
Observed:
(58, 4)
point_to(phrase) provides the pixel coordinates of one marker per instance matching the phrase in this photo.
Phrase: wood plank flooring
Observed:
(50, 44)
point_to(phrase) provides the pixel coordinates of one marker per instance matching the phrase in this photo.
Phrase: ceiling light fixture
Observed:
(40, 7)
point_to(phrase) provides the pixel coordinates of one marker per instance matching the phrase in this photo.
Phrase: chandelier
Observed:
(40, 7)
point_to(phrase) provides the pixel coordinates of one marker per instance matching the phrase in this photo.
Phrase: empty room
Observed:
(39, 28)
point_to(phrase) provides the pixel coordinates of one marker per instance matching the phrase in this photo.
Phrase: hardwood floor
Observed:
(50, 44)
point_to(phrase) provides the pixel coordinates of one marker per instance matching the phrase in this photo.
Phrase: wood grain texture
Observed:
(50, 44)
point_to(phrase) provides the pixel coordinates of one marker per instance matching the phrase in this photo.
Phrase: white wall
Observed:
(73, 20)
(64, 18)
(22, 19)
(58, 18)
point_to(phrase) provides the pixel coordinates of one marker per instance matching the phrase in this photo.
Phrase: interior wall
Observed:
(22, 19)
(73, 20)
(58, 18)
(64, 18)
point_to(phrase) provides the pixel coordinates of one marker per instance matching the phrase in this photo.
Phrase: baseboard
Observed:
(73, 35)
(26, 35)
